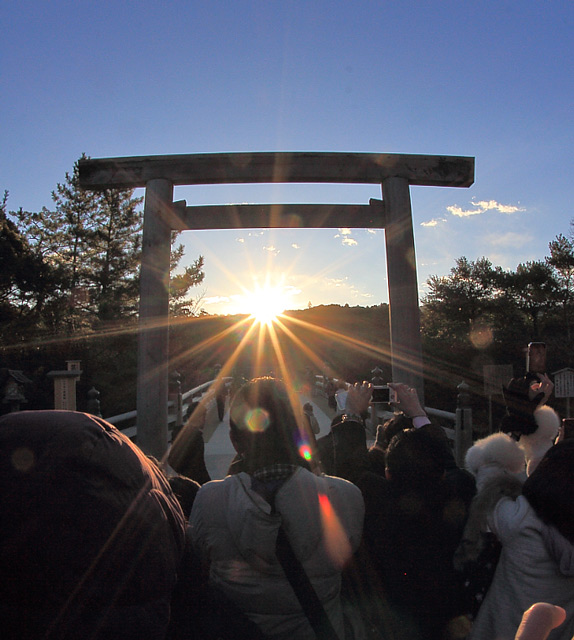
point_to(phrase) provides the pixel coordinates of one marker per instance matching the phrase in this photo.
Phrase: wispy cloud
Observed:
(481, 207)
(241, 240)
(434, 222)
(345, 233)
(336, 282)
(271, 249)
(295, 246)
(291, 290)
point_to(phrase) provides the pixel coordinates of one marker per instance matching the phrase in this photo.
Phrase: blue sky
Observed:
(486, 79)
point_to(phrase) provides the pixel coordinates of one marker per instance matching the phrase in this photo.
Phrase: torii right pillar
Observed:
(406, 348)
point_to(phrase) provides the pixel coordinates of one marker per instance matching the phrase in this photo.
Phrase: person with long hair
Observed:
(235, 523)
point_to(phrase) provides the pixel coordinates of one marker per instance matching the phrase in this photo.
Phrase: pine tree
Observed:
(561, 259)
(116, 253)
(25, 282)
(93, 241)
(180, 304)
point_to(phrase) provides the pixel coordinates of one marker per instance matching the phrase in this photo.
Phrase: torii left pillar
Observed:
(153, 345)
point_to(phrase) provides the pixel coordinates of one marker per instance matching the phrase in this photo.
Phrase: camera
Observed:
(383, 394)
(536, 357)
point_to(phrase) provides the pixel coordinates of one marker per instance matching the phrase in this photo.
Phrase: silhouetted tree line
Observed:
(481, 314)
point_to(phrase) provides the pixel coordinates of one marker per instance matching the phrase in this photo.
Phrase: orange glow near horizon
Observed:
(336, 540)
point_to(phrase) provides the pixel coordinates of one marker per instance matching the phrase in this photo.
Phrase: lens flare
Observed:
(305, 452)
(257, 420)
(336, 540)
(23, 459)
(481, 335)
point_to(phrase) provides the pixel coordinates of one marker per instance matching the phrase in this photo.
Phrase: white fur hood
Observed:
(495, 455)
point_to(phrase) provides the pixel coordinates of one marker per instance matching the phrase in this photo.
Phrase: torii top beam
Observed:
(270, 167)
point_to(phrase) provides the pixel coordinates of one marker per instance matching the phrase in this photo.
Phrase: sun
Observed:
(266, 303)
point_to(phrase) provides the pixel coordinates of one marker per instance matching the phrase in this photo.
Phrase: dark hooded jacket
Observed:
(91, 534)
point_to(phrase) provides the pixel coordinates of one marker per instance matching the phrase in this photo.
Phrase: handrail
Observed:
(130, 415)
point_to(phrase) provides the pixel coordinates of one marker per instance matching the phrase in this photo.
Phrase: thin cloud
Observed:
(295, 246)
(271, 249)
(345, 233)
(434, 222)
(336, 282)
(481, 207)
(291, 290)
(242, 240)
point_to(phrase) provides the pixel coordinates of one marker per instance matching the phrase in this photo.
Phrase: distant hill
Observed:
(343, 342)
(335, 340)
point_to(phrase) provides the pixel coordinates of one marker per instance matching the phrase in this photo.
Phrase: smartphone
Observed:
(536, 357)
(383, 393)
(568, 424)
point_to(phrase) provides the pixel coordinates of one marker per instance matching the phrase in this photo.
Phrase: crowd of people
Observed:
(304, 538)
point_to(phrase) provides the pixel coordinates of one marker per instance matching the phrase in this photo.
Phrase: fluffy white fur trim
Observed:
(537, 444)
(548, 424)
(498, 450)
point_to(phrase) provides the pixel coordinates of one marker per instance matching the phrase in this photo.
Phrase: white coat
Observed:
(233, 528)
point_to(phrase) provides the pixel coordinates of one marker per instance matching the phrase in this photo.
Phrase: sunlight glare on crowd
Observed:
(305, 452)
(336, 540)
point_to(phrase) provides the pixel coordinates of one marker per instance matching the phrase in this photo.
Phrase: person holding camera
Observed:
(414, 514)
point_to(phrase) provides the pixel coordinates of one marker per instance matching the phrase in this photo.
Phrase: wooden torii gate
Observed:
(159, 174)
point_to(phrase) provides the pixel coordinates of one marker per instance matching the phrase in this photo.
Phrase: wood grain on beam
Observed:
(264, 167)
(279, 216)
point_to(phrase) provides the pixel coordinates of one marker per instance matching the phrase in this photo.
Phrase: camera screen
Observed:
(381, 394)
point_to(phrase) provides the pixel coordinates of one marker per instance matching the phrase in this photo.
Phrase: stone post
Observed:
(463, 426)
(153, 357)
(406, 350)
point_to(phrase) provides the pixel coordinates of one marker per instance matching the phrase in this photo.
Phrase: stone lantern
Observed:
(12, 384)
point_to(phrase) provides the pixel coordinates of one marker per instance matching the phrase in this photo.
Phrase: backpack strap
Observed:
(299, 581)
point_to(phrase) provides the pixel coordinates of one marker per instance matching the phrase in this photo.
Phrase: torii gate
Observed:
(159, 175)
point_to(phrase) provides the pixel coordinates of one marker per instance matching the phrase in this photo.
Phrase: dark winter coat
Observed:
(91, 534)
